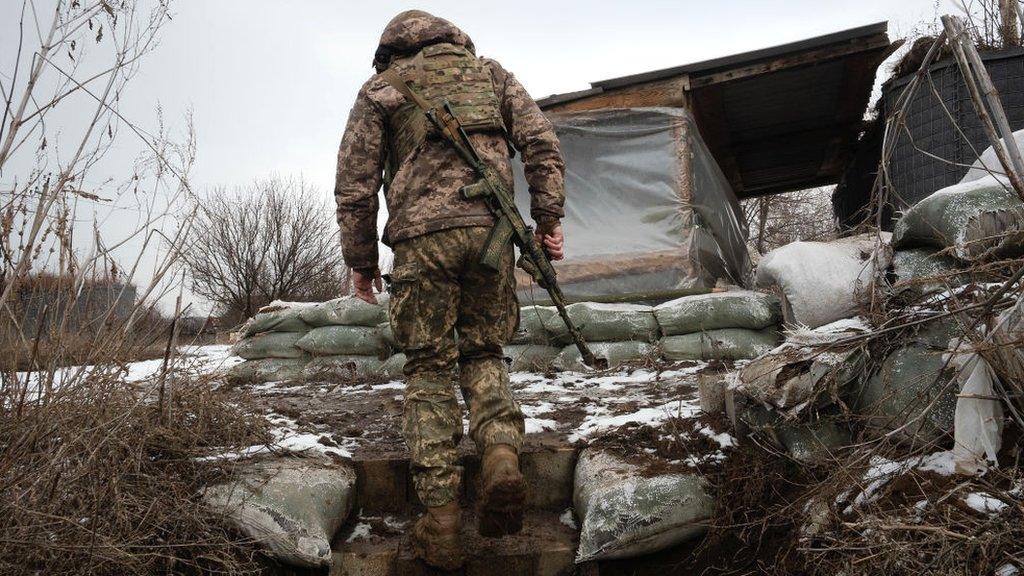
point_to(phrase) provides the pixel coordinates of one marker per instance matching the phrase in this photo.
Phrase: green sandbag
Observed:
(289, 506)
(387, 335)
(341, 340)
(394, 366)
(275, 319)
(541, 325)
(270, 345)
(266, 370)
(614, 353)
(735, 309)
(723, 344)
(925, 270)
(531, 357)
(979, 220)
(614, 322)
(346, 311)
(341, 367)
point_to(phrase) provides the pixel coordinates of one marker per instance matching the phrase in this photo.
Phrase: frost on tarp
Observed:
(346, 311)
(821, 281)
(722, 344)
(614, 353)
(289, 506)
(614, 322)
(979, 220)
(624, 513)
(733, 309)
(341, 340)
(270, 345)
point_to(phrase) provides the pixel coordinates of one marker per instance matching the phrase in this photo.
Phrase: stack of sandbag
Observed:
(346, 338)
(821, 282)
(733, 325)
(616, 333)
(538, 340)
(268, 344)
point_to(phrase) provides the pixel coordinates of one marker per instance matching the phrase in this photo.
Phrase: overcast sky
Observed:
(270, 83)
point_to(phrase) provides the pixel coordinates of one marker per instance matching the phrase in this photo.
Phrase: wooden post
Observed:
(1009, 27)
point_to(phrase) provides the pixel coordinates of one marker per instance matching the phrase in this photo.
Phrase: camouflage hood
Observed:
(412, 30)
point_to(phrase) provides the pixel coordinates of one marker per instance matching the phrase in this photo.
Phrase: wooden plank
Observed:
(661, 93)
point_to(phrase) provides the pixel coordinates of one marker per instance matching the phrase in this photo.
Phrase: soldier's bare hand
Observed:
(364, 281)
(553, 241)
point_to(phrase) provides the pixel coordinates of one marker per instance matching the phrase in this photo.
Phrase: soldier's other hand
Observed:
(553, 241)
(364, 281)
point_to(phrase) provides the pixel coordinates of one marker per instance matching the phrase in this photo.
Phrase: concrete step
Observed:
(380, 547)
(384, 484)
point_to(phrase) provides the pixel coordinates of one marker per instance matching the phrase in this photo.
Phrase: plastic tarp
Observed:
(647, 208)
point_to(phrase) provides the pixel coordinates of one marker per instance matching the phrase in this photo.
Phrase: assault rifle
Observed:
(510, 225)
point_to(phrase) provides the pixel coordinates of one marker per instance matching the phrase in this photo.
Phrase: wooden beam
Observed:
(668, 92)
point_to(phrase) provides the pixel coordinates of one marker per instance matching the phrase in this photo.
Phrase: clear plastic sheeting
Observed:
(648, 211)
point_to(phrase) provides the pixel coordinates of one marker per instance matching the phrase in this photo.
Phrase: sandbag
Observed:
(722, 344)
(988, 163)
(624, 514)
(290, 506)
(924, 271)
(614, 353)
(813, 441)
(791, 375)
(341, 367)
(386, 335)
(341, 340)
(734, 309)
(820, 281)
(276, 317)
(394, 366)
(266, 370)
(270, 345)
(980, 220)
(541, 325)
(346, 311)
(614, 322)
(530, 357)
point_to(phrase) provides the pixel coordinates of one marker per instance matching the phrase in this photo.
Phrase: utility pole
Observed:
(1009, 28)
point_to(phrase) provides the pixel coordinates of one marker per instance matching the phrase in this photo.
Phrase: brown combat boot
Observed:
(503, 492)
(435, 537)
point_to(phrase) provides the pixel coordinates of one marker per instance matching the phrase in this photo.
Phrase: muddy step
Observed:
(384, 484)
(379, 546)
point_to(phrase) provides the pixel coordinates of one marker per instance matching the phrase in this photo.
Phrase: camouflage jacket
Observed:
(424, 193)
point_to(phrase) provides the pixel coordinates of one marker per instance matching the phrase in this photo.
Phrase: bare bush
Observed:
(273, 240)
(779, 219)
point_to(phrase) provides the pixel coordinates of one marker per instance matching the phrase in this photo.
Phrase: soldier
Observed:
(437, 285)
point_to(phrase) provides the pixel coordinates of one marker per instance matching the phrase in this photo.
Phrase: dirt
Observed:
(674, 446)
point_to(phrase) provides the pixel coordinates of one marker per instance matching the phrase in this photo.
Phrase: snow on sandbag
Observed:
(988, 163)
(270, 345)
(614, 322)
(624, 514)
(394, 366)
(341, 367)
(980, 220)
(734, 309)
(722, 344)
(346, 311)
(266, 370)
(277, 317)
(820, 281)
(531, 357)
(541, 325)
(925, 270)
(614, 353)
(289, 506)
(341, 340)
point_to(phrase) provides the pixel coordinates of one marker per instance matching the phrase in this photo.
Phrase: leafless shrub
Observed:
(273, 240)
(779, 219)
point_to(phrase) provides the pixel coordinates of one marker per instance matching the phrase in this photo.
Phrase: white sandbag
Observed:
(266, 370)
(394, 366)
(988, 163)
(614, 322)
(341, 340)
(733, 309)
(276, 317)
(270, 345)
(530, 357)
(614, 353)
(722, 344)
(289, 506)
(978, 418)
(541, 325)
(624, 513)
(346, 311)
(341, 367)
(820, 281)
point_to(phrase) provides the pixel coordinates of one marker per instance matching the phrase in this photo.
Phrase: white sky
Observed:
(270, 83)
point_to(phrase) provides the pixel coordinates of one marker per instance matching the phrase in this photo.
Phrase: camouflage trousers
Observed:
(451, 316)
